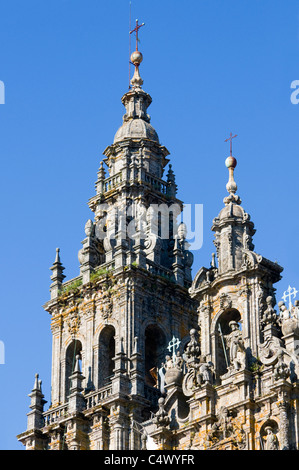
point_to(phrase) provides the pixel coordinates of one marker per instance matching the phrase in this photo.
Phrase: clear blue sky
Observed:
(211, 67)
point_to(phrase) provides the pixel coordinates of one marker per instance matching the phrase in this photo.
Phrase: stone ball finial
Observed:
(136, 58)
(231, 162)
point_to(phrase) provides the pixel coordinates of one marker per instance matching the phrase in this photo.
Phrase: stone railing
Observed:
(98, 396)
(113, 181)
(94, 398)
(156, 183)
(159, 270)
(55, 415)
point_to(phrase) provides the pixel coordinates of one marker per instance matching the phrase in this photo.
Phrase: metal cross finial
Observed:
(288, 294)
(173, 345)
(135, 30)
(230, 139)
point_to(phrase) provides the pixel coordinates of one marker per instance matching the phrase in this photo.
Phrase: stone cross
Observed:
(135, 30)
(230, 139)
(288, 294)
(172, 346)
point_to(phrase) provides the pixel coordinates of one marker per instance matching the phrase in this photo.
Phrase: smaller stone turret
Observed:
(233, 227)
(57, 276)
(35, 417)
(76, 399)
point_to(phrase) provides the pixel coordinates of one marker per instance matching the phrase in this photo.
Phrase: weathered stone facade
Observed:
(233, 384)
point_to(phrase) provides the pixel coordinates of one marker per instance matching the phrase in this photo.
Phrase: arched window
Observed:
(74, 349)
(155, 350)
(106, 355)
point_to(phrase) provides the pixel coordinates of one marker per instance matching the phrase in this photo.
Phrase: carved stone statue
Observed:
(193, 349)
(236, 347)
(295, 312)
(283, 311)
(271, 439)
(289, 319)
(174, 369)
(206, 372)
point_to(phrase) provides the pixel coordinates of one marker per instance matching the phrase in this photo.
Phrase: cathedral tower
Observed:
(111, 325)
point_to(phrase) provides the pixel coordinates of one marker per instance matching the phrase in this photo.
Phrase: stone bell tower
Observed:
(236, 289)
(236, 386)
(112, 323)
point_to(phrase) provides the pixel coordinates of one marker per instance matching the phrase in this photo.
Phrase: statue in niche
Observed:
(271, 439)
(235, 343)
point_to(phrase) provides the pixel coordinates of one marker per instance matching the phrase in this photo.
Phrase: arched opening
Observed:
(155, 350)
(223, 330)
(106, 355)
(74, 349)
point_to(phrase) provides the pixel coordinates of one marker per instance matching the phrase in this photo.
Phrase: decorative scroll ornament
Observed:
(269, 350)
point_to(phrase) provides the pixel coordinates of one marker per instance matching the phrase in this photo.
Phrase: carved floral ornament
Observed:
(106, 307)
(73, 322)
(88, 307)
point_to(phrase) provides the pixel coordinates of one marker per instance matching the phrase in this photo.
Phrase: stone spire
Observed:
(136, 101)
(35, 417)
(57, 276)
(231, 186)
(233, 227)
(171, 184)
(76, 399)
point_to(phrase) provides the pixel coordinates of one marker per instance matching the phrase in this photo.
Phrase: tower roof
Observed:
(136, 121)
